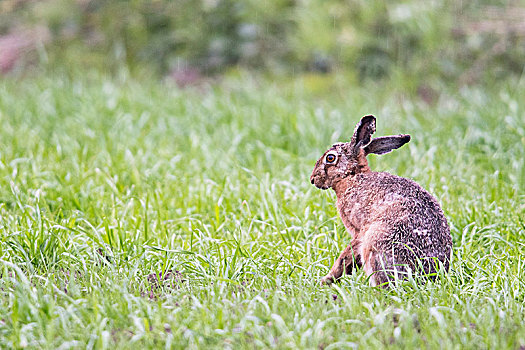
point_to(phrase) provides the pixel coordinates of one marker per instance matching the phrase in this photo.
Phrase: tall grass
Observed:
(106, 181)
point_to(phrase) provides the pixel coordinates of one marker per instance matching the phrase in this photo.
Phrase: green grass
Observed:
(105, 181)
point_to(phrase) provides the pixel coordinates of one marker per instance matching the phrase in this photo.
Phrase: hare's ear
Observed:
(363, 131)
(385, 144)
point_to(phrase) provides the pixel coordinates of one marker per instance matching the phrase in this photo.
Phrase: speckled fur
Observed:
(396, 226)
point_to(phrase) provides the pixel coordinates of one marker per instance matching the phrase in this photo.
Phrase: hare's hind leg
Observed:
(346, 262)
(376, 268)
(383, 271)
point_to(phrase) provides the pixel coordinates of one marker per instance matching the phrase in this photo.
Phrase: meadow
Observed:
(106, 183)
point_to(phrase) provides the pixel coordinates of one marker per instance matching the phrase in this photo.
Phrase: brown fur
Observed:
(396, 226)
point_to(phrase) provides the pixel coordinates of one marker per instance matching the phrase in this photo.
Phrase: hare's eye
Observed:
(330, 158)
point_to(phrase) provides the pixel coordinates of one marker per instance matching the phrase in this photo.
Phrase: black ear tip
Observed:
(368, 118)
(406, 138)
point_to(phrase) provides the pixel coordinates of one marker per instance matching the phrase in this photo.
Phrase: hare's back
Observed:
(409, 216)
(384, 190)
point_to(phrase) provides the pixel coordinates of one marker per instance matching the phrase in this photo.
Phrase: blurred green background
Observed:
(423, 43)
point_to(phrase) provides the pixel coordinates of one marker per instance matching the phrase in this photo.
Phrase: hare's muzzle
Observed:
(318, 181)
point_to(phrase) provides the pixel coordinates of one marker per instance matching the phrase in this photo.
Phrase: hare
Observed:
(396, 226)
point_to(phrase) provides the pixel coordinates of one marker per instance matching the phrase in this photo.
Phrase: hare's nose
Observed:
(312, 179)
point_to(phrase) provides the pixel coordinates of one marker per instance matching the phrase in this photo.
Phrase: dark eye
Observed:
(330, 158)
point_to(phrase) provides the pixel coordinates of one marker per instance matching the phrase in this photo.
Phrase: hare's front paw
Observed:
(327, 280)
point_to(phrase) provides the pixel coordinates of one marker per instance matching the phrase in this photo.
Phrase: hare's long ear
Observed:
(385, 144)
(363, 131)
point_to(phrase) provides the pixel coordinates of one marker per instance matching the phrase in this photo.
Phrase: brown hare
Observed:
(396, 226)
